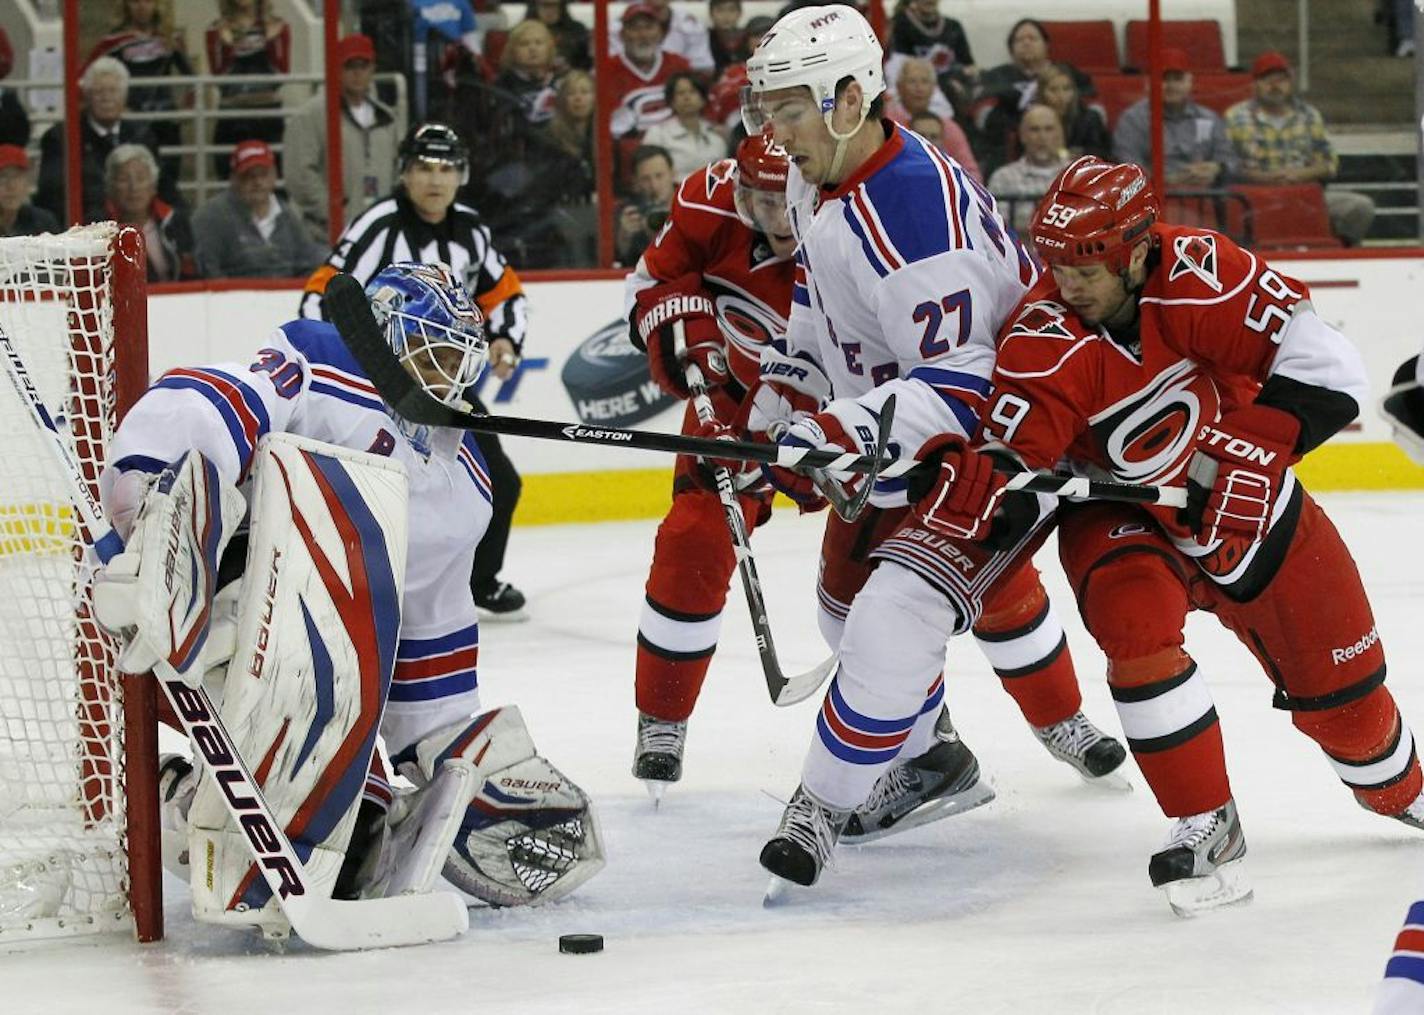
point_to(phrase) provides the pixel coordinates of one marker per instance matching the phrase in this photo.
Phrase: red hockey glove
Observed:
(743, 473)
(655, 312)
(1236, 473)
(959, 491)
(846, 425)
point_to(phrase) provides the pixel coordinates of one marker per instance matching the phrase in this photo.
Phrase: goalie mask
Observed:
(432, 326)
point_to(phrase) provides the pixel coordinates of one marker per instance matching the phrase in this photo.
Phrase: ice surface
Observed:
(1038, 902)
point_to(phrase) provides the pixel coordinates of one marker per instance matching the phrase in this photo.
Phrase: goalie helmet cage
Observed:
(78, 740)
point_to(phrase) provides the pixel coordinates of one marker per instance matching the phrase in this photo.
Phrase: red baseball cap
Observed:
(1175, 61)
(637, 10)
(249, 154)
(13, 157)
(355, 47)
(1270, 62)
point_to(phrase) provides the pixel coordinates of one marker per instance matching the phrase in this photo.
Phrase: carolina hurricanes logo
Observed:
(719, 173)
(1044, 317)
(1196, 255)
(1149, 435)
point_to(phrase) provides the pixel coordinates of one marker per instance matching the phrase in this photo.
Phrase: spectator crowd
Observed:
(525, 102)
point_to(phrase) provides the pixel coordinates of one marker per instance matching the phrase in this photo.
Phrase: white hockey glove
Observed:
(158, 593)
(788, 389)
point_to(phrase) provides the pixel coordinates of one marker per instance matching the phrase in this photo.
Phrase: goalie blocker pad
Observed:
(317, 627)
(158, 594)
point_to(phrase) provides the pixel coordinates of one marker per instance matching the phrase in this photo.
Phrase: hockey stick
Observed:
(784, 690)
(348, 309)
(331, 924)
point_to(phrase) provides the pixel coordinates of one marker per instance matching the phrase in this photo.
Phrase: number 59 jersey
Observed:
(1215, 324)
(905, 272)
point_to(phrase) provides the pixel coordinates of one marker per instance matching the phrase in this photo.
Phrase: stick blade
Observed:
(395, 922)
(801, 686)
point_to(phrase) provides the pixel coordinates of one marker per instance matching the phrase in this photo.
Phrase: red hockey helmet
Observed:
(762, 166)
(1095, 212)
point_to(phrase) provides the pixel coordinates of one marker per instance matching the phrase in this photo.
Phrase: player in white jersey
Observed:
(905, 272)
(304, 382)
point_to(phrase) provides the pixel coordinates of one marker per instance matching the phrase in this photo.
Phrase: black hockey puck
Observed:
(580, 944)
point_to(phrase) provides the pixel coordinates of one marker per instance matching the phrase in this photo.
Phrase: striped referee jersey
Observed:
(390, 232)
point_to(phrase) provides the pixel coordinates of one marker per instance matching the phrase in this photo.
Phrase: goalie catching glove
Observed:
(655, 313)
(1236, 473)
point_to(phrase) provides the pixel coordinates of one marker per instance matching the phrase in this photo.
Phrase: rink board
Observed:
(572, 319)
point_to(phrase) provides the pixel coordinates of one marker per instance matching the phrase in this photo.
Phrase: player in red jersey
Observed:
(723, 268)
(1163, 354)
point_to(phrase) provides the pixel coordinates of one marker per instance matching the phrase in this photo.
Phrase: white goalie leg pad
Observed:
(497, 819)
(159, 592)
(317, 629)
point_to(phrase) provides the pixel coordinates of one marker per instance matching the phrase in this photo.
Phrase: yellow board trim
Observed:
(562, 497)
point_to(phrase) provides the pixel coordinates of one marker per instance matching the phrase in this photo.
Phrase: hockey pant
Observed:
(892, 594)
(1311, 629)
(687, 586)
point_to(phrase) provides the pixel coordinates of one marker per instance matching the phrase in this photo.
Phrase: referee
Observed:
(421, 221)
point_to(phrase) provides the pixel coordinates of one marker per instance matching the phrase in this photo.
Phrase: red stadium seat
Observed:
(1221, 91)
(1201, 40)
(1116, 92)
(1091, 46)
(1286, 218)
(495, 40)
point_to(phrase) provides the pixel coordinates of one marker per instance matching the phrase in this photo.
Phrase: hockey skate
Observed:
(1093, 754)
(501, 602)
(177, 784)
(940, 783)
(802, 845)
(1201, 866)
(657, 759)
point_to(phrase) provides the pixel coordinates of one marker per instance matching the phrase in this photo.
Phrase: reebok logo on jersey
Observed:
(1127, 529)
(1344, 655)
(673, 308)
(1236, 447)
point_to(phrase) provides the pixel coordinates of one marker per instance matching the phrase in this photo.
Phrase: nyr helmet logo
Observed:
(1196, 255)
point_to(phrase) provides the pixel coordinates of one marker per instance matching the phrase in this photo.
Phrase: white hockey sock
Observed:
(892, 653)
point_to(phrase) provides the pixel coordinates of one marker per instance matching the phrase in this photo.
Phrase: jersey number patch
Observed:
(932, 315)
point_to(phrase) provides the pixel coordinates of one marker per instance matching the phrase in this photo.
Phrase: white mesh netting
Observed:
(62, 856)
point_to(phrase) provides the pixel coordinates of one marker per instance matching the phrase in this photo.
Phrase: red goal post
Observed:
(79, 843)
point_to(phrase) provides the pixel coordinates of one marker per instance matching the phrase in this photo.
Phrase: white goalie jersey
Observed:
(304, 382)
(904, 273)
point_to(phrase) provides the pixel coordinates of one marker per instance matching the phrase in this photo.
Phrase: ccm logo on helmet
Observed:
(1341, 655)
(1236, 447)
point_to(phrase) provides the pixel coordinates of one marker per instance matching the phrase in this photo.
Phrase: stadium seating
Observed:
(1091, 46)
(1116, 92)
(1220, 91)
(1201, 40)
(1284, 218)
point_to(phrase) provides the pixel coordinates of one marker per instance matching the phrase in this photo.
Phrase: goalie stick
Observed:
(784, 690)
(346, 305)
(331, 924)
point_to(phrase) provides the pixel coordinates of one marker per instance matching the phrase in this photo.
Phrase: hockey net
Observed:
(77, 742)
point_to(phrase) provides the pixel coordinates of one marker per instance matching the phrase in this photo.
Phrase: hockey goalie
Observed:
(306, 555)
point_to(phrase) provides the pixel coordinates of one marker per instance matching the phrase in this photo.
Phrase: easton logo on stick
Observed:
(573, 433)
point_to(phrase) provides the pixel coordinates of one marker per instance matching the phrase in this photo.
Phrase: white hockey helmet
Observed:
(816, 47)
